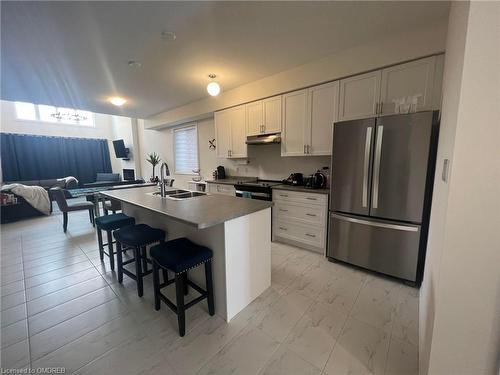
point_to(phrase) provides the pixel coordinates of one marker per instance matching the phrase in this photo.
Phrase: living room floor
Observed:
(63, 307)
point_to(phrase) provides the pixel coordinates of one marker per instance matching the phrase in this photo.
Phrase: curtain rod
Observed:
(53, 136)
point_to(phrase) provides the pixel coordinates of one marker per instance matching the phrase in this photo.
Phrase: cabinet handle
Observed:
(381, 106)
(313, 215)
(310, 235)
(308, 149)
(283, 195)
(282, 210)
(376, 108)
(283, 228)
(311, 198)
(305, 149)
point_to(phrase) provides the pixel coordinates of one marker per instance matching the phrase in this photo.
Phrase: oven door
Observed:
(253, 195)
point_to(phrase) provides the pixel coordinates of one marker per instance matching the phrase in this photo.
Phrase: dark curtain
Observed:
(34, 157)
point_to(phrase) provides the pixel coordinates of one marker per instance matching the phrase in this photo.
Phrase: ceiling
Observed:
(76, 54)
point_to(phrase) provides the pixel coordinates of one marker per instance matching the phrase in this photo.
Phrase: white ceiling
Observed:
(75, 53)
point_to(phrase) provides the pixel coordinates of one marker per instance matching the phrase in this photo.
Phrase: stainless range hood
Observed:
(263, 139)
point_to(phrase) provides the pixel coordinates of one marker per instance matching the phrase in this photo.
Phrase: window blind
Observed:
(186, 149)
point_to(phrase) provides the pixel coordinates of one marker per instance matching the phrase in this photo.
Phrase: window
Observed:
(186, 149)
(25, 111)
(47, 113)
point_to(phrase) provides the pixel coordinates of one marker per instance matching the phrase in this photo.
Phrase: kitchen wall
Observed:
(459, 297)
(264, 162)
(399, 47)
(106, 127)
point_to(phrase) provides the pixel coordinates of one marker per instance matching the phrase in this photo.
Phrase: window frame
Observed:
(57, 122)
(180, 128)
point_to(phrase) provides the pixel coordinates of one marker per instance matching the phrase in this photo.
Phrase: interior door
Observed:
(323, 112)
(238, 133)
(401, 81)
(352, 165)
(223, 133)
(294, 123)
(402, 145)
(254, 118)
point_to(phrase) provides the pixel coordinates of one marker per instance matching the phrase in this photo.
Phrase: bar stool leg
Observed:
(144, 259)
(138, 271)
(119, 260)
(179, 293)
(165, 275)
(156, 285)
(110, 251)
(210, 287)
(99, 241)
(185, 282)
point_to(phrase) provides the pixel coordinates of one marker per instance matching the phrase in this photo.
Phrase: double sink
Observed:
(179, 194)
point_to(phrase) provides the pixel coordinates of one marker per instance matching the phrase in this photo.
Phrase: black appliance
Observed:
(381, 191)
(128, 174)
(221, 172)
(295, 179)
(315, 181)
(121, 151)
(260, 189)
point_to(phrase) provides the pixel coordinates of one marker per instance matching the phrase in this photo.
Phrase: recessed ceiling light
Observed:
(213, 88)
(134, 64)
(168, 36)
(118, 101)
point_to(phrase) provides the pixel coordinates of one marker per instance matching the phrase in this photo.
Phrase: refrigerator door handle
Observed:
(366, 166)
(377, 224)
(376, 165)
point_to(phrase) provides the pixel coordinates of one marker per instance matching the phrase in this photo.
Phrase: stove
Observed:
(260, 189)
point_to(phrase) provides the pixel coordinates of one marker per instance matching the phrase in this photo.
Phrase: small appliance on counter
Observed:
(316, 181)
(295, 179)
(219, 173)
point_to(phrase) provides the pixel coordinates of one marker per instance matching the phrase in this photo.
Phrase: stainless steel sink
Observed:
(179, 194)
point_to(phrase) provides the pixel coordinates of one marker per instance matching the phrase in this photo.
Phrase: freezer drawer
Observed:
(378, 245)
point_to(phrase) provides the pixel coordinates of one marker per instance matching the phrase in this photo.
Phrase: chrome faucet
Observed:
(162, 179)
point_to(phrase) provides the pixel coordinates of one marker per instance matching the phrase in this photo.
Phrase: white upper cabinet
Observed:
(223, 133)
(415, 78)
(323, 112)
(238, 133)
(295, 124)
(230, 133)
(264, 116)
(272, 114)
(255, 118)
(359, 96)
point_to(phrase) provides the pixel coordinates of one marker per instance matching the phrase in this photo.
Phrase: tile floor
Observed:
(62, 307)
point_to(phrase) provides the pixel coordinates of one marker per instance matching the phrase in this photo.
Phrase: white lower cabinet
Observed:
(300, 219)
(221, 189)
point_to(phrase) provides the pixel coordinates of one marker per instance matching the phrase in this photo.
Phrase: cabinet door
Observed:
(401, 81)
(255, 119)
(238, 133)
(223, 133)
(323, 112)
(359, 96)
(272, 114)
(293, 141)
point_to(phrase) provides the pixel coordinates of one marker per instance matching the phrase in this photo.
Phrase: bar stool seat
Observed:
(179, 256)
(139, 235)
(108, 224)
(136, 237)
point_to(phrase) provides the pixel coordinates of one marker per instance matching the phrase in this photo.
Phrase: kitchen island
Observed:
(238, 231)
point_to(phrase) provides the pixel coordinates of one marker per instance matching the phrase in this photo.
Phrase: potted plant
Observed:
(154, 159)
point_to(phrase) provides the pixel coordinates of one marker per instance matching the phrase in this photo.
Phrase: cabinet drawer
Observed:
(307, 214)
(308, 235)
(299, 197)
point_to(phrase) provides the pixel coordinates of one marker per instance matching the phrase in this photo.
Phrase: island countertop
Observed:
(202, 212)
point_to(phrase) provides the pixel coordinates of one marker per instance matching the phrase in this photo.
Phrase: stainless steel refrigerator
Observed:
(380, 198)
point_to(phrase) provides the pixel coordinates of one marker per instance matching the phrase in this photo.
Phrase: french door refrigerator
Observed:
(382, 177)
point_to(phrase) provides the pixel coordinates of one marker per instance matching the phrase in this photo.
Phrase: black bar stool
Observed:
(136, 237)
(108, 224)
(179, 256)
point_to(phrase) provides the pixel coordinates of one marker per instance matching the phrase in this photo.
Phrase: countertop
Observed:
(232, 180)
(201, 212)
(302, 189)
